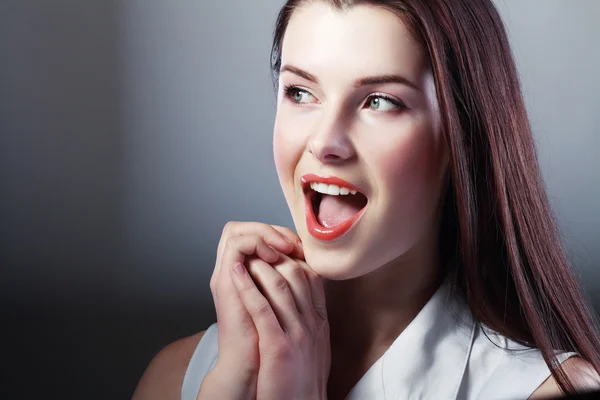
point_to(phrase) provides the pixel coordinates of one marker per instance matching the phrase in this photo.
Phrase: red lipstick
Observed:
(317, 230)
(330, 180)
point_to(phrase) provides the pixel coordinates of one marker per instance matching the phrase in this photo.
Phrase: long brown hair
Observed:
(499, 237)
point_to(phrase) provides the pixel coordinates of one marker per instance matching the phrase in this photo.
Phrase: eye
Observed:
(298, 95)
(383, 103)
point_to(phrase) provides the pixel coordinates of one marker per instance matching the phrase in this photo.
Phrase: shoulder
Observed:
(580, 372)
(500, 367)
(164, 375)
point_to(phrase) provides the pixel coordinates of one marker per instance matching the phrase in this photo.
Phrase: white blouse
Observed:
(442, 354)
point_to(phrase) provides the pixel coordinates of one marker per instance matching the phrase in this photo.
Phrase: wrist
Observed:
(226, 383)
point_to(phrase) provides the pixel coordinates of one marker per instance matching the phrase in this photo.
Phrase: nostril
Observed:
(331, 150)
(332, 157)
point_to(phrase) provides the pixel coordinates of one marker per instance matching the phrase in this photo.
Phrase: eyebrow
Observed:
(369, 80)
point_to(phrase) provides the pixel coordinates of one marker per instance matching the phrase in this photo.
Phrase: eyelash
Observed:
(289, 91)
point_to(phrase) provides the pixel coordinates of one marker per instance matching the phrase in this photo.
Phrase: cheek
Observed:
(413, 171)
(279, 150)
(287, 148)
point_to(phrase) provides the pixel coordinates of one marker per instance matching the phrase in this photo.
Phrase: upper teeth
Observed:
(330, 189)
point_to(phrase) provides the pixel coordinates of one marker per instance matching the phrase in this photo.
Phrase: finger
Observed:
(233, 320)
(236, 327)
(294, 273)
(276, 289)
(298, 251)
(230, 310)
(256, 304)
(315, 282)
(237, 248)
(231, 313)
(270, 235)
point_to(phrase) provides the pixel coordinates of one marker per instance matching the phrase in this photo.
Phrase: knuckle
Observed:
(262, 308)
(313, 323)
(320, 324)
(280, 283)
(288, 266)
(231, 242)
(229, 227)
(226, 228)
(302, 336)
(291, 267)
(281, 351)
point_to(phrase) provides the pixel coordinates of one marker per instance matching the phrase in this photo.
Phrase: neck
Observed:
(369, 312)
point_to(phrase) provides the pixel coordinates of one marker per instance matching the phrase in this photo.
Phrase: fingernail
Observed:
(239, 269)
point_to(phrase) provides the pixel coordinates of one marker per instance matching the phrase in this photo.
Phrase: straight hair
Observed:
(499, 241)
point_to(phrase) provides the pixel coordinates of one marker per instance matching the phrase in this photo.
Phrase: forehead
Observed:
(362, 40)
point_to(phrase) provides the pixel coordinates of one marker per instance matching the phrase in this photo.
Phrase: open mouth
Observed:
(331, 210)
(332, 206)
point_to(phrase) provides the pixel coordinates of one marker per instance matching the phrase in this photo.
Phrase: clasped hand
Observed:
(272, 318)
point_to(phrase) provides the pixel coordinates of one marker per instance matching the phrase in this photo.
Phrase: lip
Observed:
(317, 230)
(330, 180)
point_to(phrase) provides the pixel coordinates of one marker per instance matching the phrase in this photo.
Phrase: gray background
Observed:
(132, 131)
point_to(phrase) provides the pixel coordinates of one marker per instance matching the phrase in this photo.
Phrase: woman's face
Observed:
(357, 102)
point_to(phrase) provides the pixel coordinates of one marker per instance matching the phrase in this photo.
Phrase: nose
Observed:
(330, 142)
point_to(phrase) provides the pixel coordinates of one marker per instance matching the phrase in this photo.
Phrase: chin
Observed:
(334, 265)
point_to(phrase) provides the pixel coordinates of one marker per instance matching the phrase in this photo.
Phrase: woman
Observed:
(427, 263)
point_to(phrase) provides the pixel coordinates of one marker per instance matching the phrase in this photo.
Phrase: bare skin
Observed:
(163, 378)
(386, 268)
(329, 123)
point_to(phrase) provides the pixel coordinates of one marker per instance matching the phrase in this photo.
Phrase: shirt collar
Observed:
(428, 359)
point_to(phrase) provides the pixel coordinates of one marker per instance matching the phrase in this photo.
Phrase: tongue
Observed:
(334, 210)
